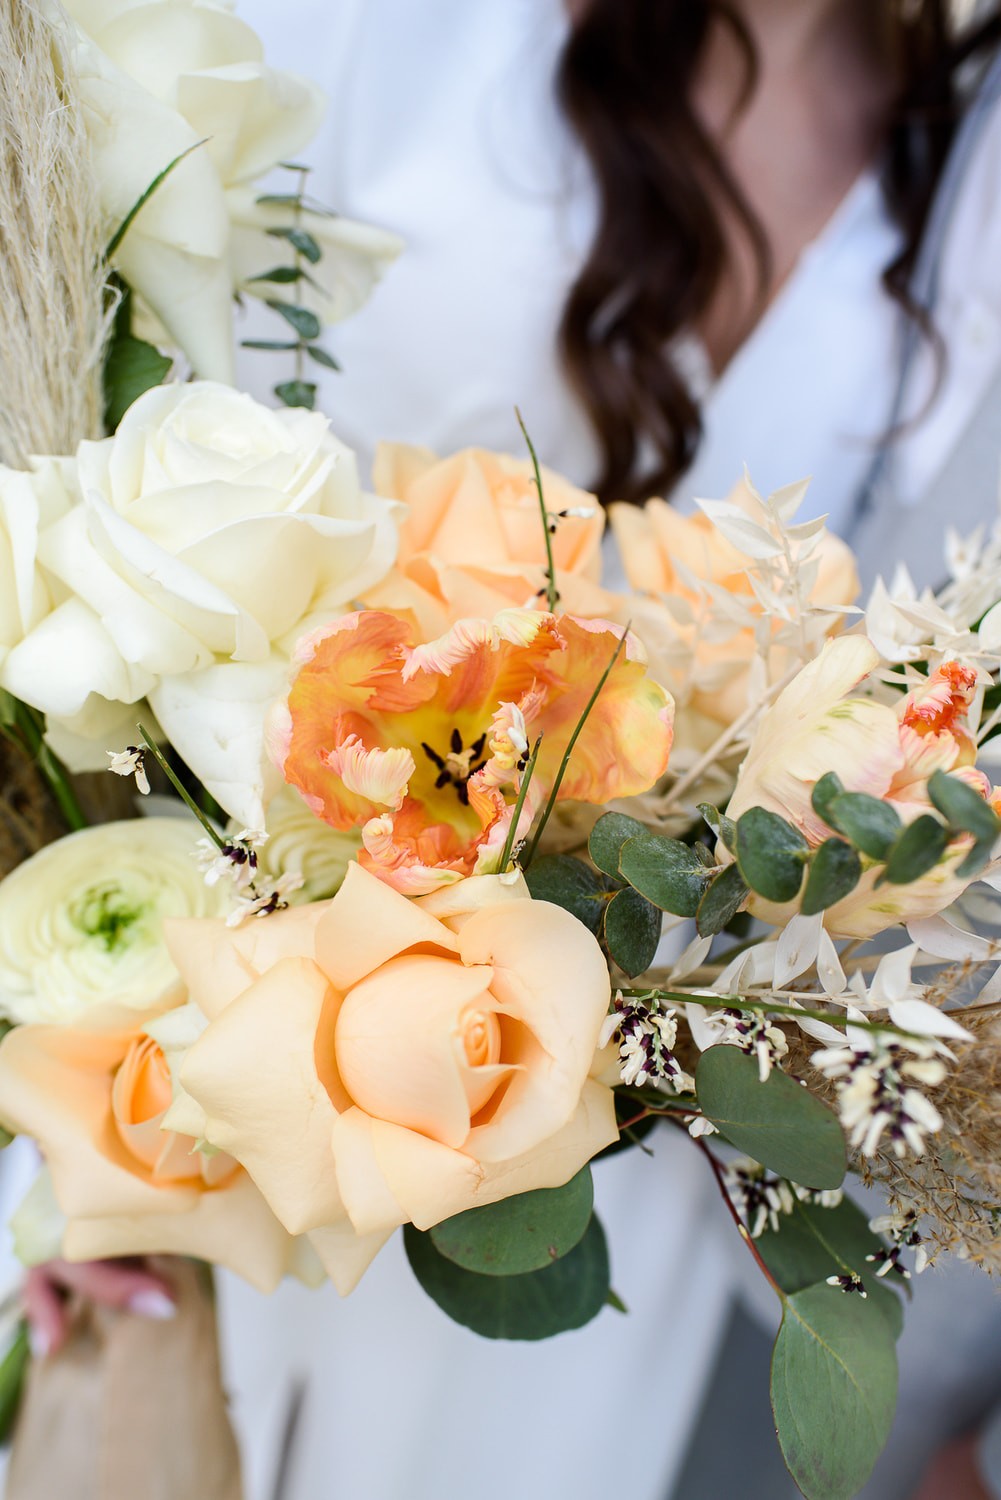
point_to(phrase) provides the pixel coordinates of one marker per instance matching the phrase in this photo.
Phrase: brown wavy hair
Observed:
(659, 252)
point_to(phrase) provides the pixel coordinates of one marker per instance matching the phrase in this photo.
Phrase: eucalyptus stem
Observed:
(771, 1007)
(512, 832)
(742, 1228)
(552, 594)
(551, 802)
(180, 788)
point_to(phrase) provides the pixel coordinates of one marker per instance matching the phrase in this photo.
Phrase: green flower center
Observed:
(105, 913)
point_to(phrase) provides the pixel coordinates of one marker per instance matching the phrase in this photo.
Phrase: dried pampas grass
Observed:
(53, 314)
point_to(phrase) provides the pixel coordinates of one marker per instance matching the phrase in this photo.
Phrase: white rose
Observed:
(300, 843)
(155, 78)
(210, 533)
(81, 922)
(28, 502)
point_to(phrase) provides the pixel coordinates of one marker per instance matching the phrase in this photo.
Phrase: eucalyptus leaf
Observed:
(305, 323)
(813, 1242)
(665, 871)
(835, 870)
(632, 931)
(771, 854)
(300, 240)
(319, 354)
(536, 1305)
(297, 393)
(723, 827)
(965, 810)
(834, 1390)
(607, 837)
(570, 883)
(824, 792)
(872, 825)
(918, 850)
(722, 900)
(778, 1123)
(276, 344)
(282, 275)
(525, 1233)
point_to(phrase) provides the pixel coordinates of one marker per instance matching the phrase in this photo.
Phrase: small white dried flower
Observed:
(264, 898)
(235, 860)
(871, 1071)
(130, 762)
(645, 1032)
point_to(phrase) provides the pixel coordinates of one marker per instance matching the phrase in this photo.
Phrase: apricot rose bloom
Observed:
(374, 1061)
(423, 745)
(707, 604)
(471, 539)
(93, 1094)
(816, 725)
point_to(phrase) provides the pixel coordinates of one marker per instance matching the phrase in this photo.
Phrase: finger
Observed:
(117, 1284)
(45, 1310)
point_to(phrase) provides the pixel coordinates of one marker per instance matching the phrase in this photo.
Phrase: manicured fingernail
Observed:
(151, 1303)
(39, 1341)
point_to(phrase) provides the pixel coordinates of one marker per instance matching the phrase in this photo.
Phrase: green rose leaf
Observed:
(632, 931)
(665, 871)
(812, 1243)
(918, 850)
(871, 825)
(834, 1390)
(536, 1305)
(778, 1123)
(521, 1234)
(721, 902)
(835, 870)
(570, 883)
(607, 837)
(13, 1370)
(131, 367)
(770, 853)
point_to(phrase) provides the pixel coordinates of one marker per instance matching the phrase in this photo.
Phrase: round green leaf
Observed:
(770, 853)
(827, 788)
(778, 1123)
(872, 825)
(520, 1234)
(813, 1242)
(564, 881)
(632, 931)
(721, 902)
(607, 837)
(297, 393)
(834, 1390)
(665, 871)
(964, 808)
(918, 850)
(566, 1295)
(835, 870)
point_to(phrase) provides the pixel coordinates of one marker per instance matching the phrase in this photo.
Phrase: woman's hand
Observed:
(125, 1284)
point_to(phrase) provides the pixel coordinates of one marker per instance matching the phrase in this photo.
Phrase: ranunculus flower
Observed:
(815, 725)
(81, 921)
(93, 1095)
(709, 611)
(471, 541)
(371, 1063)
(423, 744)
(209, 533)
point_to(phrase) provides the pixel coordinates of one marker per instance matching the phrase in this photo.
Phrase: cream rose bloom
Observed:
(157, 78)
(28, 503)
(93, 1095)
(374, 1061)
(207, 535)
(81, 921)
(471, 538)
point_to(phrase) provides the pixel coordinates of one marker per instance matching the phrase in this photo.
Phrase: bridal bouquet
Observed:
(453, 868)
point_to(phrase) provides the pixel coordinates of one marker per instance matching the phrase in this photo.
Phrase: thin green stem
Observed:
(551, 802)
(512, 833)
(772, 1007)
(180, 789)
(552, 595)
(27, 732)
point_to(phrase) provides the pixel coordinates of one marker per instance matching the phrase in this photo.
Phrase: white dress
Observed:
(444, 129)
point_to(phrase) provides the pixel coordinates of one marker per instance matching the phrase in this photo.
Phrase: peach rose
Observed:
(816, 725)
(93, 1094)
(374, 1061)
(687, 562)
(472, 543)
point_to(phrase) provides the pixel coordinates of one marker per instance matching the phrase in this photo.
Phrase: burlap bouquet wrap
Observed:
(130, 1408)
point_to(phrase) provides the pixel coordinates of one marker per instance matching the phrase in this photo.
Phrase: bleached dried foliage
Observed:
(52, 307)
